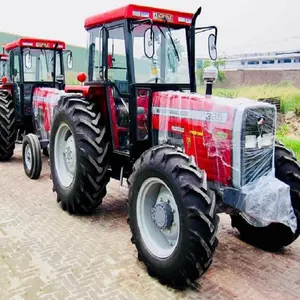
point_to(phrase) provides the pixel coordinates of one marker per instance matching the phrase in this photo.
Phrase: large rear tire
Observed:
(276, 235)
(8, 132)
(79, 155)
(172, 218)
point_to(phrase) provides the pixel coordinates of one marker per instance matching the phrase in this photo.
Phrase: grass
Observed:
(289, 142)
(289, 95)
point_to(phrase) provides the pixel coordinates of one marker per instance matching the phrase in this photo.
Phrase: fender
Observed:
(7, 86)
(83, 89)
(86, 90)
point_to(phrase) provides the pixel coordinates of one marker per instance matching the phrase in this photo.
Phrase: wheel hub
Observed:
(28, 159)
(65, 155)
(69, 155)
(162, 215)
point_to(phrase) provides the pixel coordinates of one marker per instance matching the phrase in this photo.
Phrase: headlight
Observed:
(250, 141)
(265, 141)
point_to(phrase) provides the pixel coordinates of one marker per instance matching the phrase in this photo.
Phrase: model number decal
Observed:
(178, 129)
(200, 115)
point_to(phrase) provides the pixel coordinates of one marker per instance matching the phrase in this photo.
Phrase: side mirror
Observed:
(70, 61)
(28, 62)
(212, 47)
(149, 49)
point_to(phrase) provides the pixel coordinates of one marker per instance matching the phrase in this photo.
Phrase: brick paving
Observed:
(47, 254)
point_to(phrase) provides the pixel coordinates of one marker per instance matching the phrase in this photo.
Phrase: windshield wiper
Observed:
(172, 41)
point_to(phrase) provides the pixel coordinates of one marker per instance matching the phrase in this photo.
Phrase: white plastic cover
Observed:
(233, 141)
(267, 200)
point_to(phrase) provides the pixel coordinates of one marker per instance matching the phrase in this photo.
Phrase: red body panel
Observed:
(3, 57)
(44, 100)
(115, 127)
(7, 86)
(132, 11)
(34, 43)
(77, 89)
(207, 140)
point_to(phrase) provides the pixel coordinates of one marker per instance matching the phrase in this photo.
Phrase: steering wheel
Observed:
(154, 78)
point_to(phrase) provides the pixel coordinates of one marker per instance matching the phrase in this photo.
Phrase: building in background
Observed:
(285, 60)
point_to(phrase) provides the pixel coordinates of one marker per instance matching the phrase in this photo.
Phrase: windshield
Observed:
(42, 65)
(3, 67)
(169, 63)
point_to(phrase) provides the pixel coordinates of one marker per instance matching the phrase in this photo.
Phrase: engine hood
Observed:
(197, 101)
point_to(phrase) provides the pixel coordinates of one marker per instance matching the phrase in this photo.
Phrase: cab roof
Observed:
(34, 43)
(137, 12)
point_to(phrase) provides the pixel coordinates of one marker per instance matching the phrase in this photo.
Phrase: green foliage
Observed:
(291, 143)
(283, 131)
(217, 64)
(288, 94)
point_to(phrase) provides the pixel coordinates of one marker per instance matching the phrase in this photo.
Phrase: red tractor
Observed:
(187, 157)
(35, 76)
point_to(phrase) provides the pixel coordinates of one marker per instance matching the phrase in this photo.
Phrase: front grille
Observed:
(256, 162)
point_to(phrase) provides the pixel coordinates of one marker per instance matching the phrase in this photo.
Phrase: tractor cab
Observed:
(34, 63)
(3, 65)
(135, 51)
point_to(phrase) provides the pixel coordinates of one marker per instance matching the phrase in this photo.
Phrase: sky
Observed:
(244, 25)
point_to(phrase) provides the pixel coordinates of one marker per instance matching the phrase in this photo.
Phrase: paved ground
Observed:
(47, 254)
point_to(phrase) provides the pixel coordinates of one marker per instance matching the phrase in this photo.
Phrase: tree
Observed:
(217, 64)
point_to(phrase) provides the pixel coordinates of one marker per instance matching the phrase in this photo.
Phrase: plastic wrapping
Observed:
(272, 197)
(44, 102)
(232, 140)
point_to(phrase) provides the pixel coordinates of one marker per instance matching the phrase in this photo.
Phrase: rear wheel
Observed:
(276, 235)
(8, 132)
(32, 156)
(172, 218)
(79, 155)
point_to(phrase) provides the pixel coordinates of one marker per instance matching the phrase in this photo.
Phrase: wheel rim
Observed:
(158, 217)
(65, 155)
(28, 157)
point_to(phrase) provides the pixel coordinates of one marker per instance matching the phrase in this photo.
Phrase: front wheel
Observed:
(276, 235)
(172, 218)
(32, 156)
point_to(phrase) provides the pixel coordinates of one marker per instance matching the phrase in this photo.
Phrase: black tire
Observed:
(276, 235)
(198, 220)
(33, 171)
(45, 152)
(8, 133)
(93, 154)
